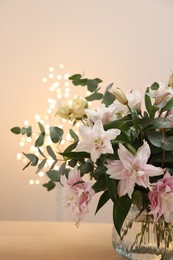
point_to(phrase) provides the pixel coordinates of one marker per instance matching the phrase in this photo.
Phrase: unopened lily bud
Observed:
(170, 82)
(120, 96)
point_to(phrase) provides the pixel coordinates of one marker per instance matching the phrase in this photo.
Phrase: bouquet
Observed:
(121, 151)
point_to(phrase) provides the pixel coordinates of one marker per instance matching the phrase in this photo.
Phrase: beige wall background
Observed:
(126, 42)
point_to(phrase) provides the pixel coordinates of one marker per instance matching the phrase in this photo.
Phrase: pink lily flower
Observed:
(132, 169)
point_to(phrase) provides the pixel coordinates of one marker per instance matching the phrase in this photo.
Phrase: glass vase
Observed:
(143, 239)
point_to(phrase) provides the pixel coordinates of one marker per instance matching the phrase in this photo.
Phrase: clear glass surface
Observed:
(142, 239)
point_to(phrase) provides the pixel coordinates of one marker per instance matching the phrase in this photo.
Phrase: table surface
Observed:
(56, 240)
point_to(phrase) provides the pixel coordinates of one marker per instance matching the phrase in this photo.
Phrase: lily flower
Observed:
(96, 140)
(132, 169)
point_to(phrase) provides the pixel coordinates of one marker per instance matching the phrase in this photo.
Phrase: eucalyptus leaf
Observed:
(56, 134)
(32, 157)
(51, 152)
(92, 85)
(41, 165)
(40, 140)
(41, 152)
(54, 175)
(94, 96)
(50, 185)
(42, 129)
(74, 135)
(16, 130)
(29, 131)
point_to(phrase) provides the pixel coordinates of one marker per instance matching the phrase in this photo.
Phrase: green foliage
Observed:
(120, 211)
(32, 157)
(49, 186)
(56, 134)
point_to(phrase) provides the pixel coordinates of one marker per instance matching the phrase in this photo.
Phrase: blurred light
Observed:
(31, 182)
(63, 141)
(61, 66)
(49, 111)
(44, 80)
(29, 139)
(70, 102)
(59, 96)
(51, 69)
(52, 106)
(66, 76)
(51, 76)
(19, 156)
(26, 122)
(51, 88)
(66, 95)
(56, 84)
(21, 144)
(37, 117)
(23, 139)
(24, 160)
(37, 182)
(59, 77)
(41, 174)
(58, 90)
(67, 90)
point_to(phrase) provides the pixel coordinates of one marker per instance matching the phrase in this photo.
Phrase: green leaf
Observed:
(75, 155)
(72, 163)
(135, 119)
(29, 131)
(41, 152)
(41, 165)
(156, 123)
(92, 85)
(26, 166)
(16, 130)
(155, 86)
(123, 123)
(167, 145)
(23, 131)
(112, 188)
(148, 103)
(54, 175)
(63, 170)
(56, 134)
(86, 167)
(94, 96)
(168, 106)
(50, 185)
(120, 211)
(100, 184)
(71, 147)
(42, 129)
(108, 98)
(102, 201)
(32, 157)
(74, 135)
(51, 152)
(77, 80)
(155, 138)
(40, 140)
